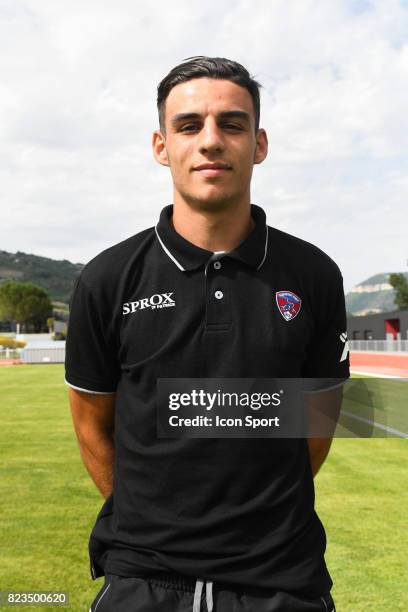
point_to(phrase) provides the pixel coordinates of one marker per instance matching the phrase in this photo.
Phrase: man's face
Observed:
(210, 121)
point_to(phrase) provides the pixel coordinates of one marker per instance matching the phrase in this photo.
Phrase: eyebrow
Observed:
(232, 114)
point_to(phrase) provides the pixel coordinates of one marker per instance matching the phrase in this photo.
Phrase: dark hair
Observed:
(211, 67)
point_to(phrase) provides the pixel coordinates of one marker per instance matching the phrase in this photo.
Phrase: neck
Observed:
(218, 228)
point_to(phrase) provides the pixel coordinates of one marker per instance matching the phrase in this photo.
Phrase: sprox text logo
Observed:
(158, 300)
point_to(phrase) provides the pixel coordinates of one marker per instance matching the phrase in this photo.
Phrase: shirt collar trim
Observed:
(188, 256)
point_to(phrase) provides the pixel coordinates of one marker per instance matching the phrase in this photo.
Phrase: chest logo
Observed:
(288, 303)
(158, 300)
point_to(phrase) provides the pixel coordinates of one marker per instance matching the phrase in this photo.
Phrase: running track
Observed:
(379, 363)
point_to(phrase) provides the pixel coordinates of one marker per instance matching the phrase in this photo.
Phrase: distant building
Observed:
(380, 326)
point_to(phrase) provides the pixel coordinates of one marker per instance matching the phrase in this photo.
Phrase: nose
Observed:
(211, 138)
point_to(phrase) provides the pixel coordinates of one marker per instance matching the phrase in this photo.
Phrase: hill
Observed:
(56, 276)
(372, 295)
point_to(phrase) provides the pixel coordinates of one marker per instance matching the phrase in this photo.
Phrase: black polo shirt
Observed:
(236, 511)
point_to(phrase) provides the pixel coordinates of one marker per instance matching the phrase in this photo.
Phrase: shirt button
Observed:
(217, 265)
(219, 295)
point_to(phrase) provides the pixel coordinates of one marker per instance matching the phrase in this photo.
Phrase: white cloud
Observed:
(77, 109)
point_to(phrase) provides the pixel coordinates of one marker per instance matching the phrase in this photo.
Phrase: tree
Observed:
(24, 303)
(400, 284)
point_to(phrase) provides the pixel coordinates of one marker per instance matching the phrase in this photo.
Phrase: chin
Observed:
(210, 200)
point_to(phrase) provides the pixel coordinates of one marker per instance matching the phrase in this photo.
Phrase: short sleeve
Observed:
(328, 353)
(91, 349)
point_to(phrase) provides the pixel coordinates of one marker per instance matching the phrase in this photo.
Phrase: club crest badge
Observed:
(288, 303)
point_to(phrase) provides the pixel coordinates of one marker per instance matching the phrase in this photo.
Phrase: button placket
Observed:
(218, 310)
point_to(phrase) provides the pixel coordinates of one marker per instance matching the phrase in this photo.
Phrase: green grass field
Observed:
(48, 503)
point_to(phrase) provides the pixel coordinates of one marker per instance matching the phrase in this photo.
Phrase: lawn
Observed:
(48, 503)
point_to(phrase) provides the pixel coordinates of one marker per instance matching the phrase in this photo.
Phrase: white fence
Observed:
(44, 352)
(55, 353)
(37, 353)
(8, 353)
(389, 346)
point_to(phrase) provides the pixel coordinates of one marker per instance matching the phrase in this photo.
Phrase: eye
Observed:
(186, 128)
(232, 126)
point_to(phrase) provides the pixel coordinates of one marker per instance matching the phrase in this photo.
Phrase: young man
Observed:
(210, 291)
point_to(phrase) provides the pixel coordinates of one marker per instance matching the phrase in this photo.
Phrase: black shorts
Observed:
(181, 594)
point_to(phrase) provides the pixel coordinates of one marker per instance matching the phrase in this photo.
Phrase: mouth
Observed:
(211, 170)
(214, 171)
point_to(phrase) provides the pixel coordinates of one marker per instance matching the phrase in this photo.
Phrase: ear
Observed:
(261, 150)
(159, 148)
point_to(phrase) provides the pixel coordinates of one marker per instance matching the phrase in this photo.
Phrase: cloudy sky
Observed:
(78, 86)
